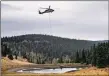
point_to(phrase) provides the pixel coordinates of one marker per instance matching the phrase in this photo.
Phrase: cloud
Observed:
(7, 7)
(73, 19)
(19, 25)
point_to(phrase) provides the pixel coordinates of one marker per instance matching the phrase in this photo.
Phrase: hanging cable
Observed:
(50, 23)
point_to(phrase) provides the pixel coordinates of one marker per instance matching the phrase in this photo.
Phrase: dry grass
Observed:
(8, 64)
(93, 71)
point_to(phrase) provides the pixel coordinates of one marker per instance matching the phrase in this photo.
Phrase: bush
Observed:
(10, 57)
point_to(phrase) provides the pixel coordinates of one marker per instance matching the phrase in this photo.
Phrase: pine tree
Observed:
(77, 60)
(83, 56)
(60, 60)
(101, 55)
(5, 50)
(88, 57)
(93, 56)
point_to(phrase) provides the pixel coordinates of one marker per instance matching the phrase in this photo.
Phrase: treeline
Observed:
(42, 49)
(97, 56)
(34, 57)
(6, 51)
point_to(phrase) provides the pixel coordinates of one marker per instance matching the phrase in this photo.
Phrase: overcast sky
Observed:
(86, 20)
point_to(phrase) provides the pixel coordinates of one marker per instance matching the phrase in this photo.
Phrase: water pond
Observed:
(54, 70)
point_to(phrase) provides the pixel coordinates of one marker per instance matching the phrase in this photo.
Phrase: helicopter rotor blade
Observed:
(44, 8)
(56, 8)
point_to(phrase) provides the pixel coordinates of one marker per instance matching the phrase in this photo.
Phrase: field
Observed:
(93, 71)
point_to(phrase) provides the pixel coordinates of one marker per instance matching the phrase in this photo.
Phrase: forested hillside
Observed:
(97, 56)
(44, 48)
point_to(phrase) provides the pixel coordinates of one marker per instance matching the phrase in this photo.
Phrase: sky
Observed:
(86, 20)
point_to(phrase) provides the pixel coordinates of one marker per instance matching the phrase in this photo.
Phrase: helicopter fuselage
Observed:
(47, 11)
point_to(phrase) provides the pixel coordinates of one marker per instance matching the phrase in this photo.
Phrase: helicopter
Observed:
(48, 10)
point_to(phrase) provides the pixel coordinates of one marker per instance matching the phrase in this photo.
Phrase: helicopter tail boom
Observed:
(40, 12)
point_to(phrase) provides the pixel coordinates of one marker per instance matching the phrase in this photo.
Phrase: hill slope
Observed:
(40, 48)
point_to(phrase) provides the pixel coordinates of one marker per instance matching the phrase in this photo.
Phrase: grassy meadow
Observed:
(93, 71)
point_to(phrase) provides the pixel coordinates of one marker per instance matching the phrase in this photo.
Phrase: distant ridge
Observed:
(55, 36)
